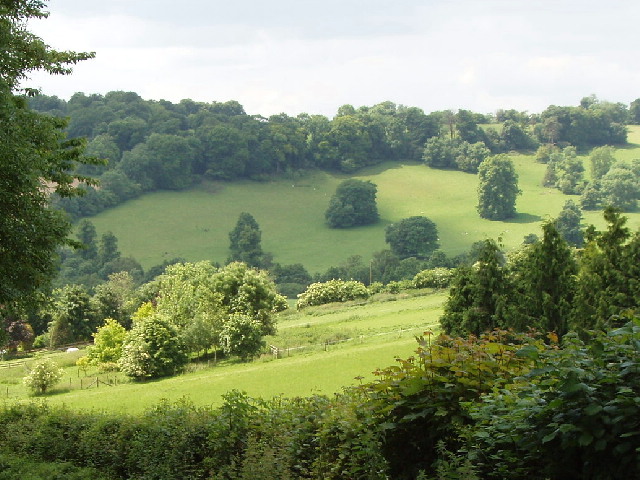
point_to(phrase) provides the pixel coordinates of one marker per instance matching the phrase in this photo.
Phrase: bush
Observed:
(44, 375)
(107, 344)
(332, 291)
(242, 336)
(152, 349)
(434, 278)
(574, 416)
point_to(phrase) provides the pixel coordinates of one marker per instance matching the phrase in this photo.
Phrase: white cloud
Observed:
(312, 56)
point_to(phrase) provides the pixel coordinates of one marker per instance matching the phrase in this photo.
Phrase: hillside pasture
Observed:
(322, 350)
(195, 224)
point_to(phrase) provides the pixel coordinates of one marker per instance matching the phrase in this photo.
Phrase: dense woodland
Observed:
(535, 376)
(158, 145)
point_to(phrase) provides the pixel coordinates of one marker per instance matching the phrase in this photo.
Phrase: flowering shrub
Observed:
(44, 375)
(434, 278)
(332, 291)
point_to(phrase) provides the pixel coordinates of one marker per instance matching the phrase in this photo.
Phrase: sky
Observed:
(296, 56)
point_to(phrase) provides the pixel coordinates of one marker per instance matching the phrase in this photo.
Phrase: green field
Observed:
(195, 224)
(339, 343)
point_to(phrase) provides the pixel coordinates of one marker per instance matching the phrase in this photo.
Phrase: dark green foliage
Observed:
(13, 467)
(440, 152)
(74, 317)
(423, 400)
(34, 152)
(608, 278)
(412, 237)
(514, 137)
(477, 296)
(542, 285)
(447, 152)
(502, 406)
(497, 188)
(87, 237)
(593, 124)
(291, 280)
(574, 416)
(353, 204)
(634, 112)
(245, 242)
(591, 197)
(568, 224)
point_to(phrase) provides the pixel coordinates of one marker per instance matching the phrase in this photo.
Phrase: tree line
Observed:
(160, 145)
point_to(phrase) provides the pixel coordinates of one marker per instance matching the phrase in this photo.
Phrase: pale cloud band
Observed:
(313, 56)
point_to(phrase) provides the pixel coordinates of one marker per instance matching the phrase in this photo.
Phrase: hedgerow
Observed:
(499, 406)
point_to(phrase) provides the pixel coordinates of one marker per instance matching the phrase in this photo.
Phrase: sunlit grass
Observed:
(341, 343)
(195, 224)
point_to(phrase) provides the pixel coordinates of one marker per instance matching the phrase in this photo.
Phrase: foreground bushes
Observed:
(502, 406)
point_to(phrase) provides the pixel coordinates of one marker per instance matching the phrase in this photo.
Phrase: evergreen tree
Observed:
(477, 297)
(245, 242)
(568, 224)
(543, 285)
(108, 250)
(87, 236)
(608, 276)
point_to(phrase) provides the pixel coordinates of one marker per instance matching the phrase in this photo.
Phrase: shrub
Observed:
(44, 375)
(332, 291)
(434, 278)
(107, 344)
(152, 349)
(242, 336)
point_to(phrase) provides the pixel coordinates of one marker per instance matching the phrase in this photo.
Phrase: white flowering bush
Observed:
(242, 336)
(44, 375)
(434, 278)
(152, 348)
(332, 291)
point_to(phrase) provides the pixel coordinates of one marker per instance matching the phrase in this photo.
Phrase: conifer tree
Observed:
(245, 242)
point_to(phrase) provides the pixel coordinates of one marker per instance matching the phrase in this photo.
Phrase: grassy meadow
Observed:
(323, 349)
(195, 224)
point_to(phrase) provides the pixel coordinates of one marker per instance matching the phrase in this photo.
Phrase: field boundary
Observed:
(278, 352)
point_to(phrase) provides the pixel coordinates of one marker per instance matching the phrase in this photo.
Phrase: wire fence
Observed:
(280, 352)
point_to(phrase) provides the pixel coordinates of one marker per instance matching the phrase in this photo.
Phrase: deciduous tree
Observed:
(37, 158)
(354, 203)
(412, 237)
(497, 188)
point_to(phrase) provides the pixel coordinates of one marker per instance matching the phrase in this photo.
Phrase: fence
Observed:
(278, 352)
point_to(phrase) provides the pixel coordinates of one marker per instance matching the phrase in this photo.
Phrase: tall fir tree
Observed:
(245, 242)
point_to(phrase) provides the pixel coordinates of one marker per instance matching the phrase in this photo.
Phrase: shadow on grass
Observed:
(524, 218)
(628, 146)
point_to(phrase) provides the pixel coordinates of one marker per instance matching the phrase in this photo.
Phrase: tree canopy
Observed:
(354, 203)
(498, 188)
(412, 237)
(37, 158)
